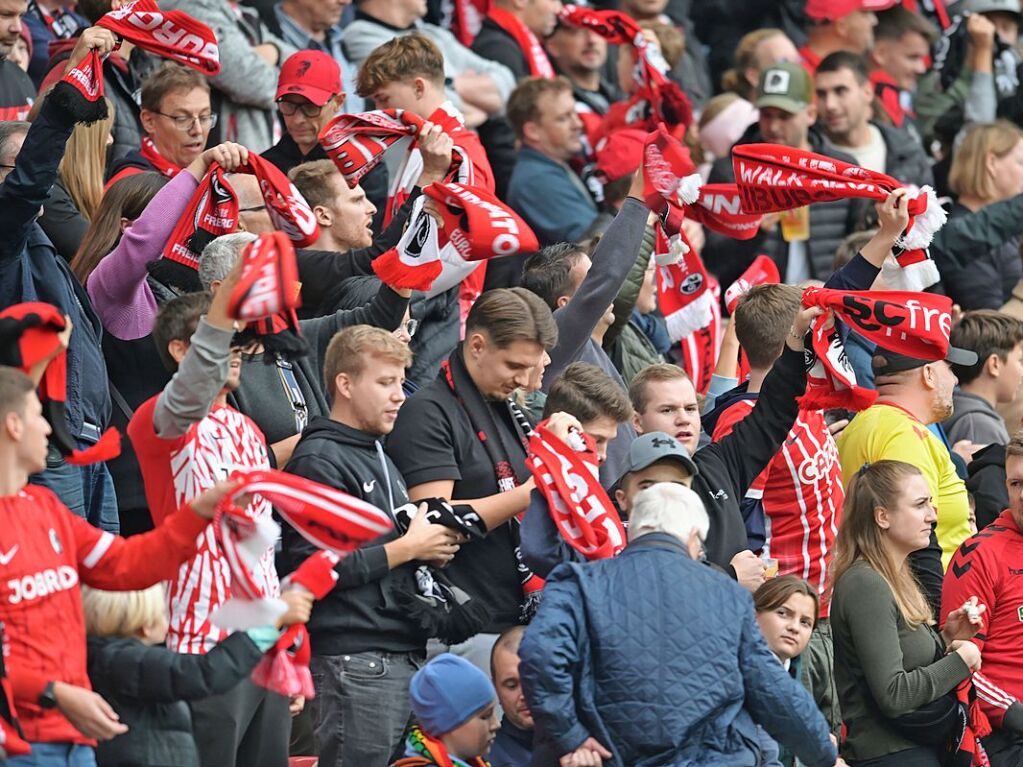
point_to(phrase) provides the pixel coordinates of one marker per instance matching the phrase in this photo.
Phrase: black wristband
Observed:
(47, 699)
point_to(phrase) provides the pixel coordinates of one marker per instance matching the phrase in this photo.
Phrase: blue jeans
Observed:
(55, 755)
(361, 708)
(87, 490)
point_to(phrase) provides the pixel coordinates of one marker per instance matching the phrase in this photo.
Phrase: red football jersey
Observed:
(175, 469)
(801, 491)
(44, 551)
(989, 566)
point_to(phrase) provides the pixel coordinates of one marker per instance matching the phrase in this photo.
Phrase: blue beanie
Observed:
(447, 691)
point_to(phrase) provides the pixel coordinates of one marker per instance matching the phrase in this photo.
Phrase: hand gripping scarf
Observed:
(667, 101)
(171, 34)
(529, 44)
(670, 180)
(567, 475)
(775, 178)
(357, 143)
(476, 226)
(914, 324)
(213, 211)
(285, 666)
(28, 335)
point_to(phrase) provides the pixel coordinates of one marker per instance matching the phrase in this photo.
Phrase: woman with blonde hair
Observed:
(978, 250)
(75, 197)
(896, 674)
(756, 51)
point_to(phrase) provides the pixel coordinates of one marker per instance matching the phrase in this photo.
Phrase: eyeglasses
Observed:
(309, 109)
(411, 326)
(184, 122)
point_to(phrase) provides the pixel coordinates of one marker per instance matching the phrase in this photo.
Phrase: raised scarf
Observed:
(267, 294)
(529, 44)
(568, 477)
(667, 102)
(213, 211)
(773, 178)
(476, 225)
(419, 746)
(763, 271)
(169, 34)
(914, 324)
(357, 143)
(500, 447)
(28, 335)
(284, 668)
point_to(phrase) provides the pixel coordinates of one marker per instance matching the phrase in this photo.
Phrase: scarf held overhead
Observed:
(914, 324)
(213, 211)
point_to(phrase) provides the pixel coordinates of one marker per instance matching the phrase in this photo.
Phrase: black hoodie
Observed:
(987, 484)
(360, 614)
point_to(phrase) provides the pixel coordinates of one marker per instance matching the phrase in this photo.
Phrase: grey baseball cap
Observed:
(988, 6)
(654, 446)
(886, 362)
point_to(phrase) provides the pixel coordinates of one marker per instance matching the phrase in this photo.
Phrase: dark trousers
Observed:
(910, 757)
(362, 708)
(87, 490)
(248, 726)
(1004, 749)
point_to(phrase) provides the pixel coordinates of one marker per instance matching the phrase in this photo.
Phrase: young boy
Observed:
(994, 380)
(455, 704)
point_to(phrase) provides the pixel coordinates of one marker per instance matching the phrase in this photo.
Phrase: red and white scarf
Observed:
(268, 291)
(464, 18)
(914, 324)
(763, 271)
(285, 666)
(773, 178)
(152, 155)
(476, 226)
(568, 477)
(719, 208)
(170, 34)
(529, 44)
(668, 103)
(213, 211)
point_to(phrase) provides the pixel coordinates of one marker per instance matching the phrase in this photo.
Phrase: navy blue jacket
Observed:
(556, 206)
(661, 659)
(31, 269)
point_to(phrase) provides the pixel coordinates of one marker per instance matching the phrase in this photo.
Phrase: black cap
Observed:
(886, 362)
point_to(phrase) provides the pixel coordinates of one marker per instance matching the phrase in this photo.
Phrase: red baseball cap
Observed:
(832, 10)
(620, 153)
(312, 74)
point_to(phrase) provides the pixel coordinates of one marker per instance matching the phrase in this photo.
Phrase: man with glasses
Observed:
(309, 94)
(176, 117)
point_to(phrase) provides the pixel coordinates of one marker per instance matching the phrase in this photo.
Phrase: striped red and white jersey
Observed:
(802, 495)
(177, 469)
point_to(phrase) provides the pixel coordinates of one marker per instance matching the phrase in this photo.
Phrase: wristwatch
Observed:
(47, 699)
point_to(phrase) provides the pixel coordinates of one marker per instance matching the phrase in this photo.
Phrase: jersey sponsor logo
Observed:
(38, 585)
(5, 559)
(55, 541)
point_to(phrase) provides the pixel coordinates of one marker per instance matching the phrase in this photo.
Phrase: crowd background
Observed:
(624, 528)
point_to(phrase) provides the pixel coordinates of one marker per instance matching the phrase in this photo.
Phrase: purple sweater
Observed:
(117, 286)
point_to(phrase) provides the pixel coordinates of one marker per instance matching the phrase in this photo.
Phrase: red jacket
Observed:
(45, 551)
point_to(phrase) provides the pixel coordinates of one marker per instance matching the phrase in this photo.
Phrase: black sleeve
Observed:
(62, 222)
(926, 566)
(385, 311)
(159, 675)
(423, 444)
(756, 438)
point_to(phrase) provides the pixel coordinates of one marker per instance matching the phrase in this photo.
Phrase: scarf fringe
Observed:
(690, 318)
(915, 277)
(689, 188)
(924, 225)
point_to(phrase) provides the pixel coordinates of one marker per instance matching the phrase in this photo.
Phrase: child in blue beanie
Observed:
(455, 705)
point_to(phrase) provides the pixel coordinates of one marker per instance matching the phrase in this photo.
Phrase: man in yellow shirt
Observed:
(913, 393)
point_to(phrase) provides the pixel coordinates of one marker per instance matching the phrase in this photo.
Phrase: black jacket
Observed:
(149, 688)
(987, 484)
(495, 44)
(830, 223)
(907, 161)
(360, 614)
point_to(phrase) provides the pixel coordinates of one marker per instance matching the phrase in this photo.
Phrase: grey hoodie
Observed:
(976, 420)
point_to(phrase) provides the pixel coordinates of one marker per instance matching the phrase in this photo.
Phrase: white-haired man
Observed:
(683, 667)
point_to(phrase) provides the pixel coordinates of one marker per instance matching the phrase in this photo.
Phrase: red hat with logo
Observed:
(833, 10)
(312, 74)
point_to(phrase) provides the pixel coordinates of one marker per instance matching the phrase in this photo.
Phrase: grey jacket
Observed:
(974, 419)
(246, 83)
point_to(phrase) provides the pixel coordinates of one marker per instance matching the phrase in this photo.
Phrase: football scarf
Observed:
(699, 350)
(773, 178)
(476, 225)
(267, 295)
(157, 160)
(763, 271)
(568, 477)
(28, 336)
(719, 208)
(213, 211)
(683, 286)
(529, 44)
(464, 18)
(914, 324)
(357, 143)
(169, 34)
(500, 447)
(284, 668)
(670, 180)
(667, 102)
(424, 749)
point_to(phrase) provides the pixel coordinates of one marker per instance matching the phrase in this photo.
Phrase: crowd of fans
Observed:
(671, 472)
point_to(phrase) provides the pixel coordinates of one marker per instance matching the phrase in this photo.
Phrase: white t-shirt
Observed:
(873, 155)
